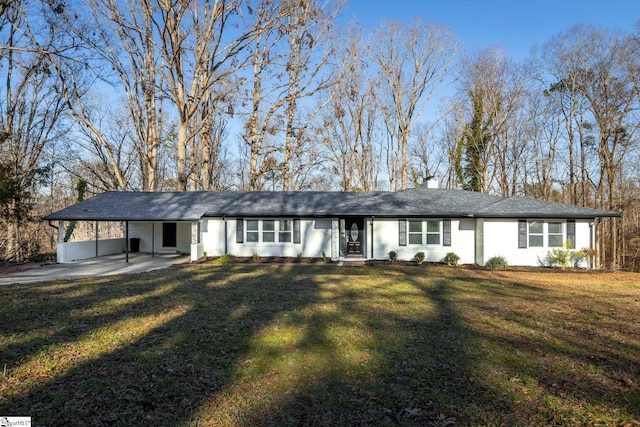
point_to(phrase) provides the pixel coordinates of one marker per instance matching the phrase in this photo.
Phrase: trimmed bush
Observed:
(497, 263)
(393, 256)
(419, 257)
(451, 259)
(225, 259)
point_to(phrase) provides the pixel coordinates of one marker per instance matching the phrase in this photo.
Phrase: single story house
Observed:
(338, 225)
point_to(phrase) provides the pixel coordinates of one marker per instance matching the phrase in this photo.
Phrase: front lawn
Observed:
(245, 345)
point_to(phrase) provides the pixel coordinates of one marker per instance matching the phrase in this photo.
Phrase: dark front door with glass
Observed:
(354, 228)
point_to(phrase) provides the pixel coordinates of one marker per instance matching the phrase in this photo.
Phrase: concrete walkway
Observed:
(93, 267)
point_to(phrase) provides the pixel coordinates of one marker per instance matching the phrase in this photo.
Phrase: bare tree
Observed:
(266, 92)
(495, 89)
(546, 138)
(104, 151)
(306, 24)
(349, 125)
(200, 45)
(31, 109)
(208, 153)
(413, 61)
(430, 154)
(598, 70)
(122, 40)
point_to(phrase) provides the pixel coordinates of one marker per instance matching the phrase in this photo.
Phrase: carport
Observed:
(152, 224)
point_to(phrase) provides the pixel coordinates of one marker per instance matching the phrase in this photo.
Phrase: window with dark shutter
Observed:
(446, 232)
(402, 237)
(571, 232)
(522, 233)
(296, 230)
(239, 230)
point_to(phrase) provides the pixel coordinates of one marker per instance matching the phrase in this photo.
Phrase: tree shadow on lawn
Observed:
(444, 367)
(284, 345)
(537, 354)
(62, 312)
(193, 330)
(412, 368)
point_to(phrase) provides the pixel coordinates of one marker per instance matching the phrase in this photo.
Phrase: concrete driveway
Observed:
(94, 267)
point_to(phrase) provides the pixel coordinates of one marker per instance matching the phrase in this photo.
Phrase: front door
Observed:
(354, 228)
(169, 234)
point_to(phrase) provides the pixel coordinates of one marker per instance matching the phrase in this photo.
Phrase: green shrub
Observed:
(559, 257)
(37, 256)
(497, 263)
(393, 256)
(419, 257)
(299, 257)
(451, 259)
(225, 259)
(567, 256)
(324, 256)
(255, 257)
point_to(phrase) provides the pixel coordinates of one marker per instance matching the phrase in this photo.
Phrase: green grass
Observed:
(245, 345)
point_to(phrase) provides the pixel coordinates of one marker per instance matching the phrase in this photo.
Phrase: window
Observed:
(536, 234)
(419, 234)
(284, 234)
(446, 232)
(554, 234)
(541, 232)
(415, 232)
(571, 232)
(268, 230)
(433, 232)
(253, 233)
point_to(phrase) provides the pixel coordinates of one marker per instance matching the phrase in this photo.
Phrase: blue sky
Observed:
(514, 25)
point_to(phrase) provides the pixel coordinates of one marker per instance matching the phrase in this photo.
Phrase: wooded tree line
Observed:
(178, 95)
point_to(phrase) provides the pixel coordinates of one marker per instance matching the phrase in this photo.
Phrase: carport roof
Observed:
(420, 202)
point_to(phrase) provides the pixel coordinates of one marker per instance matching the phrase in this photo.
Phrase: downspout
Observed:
(591, 244)
(126, 241)
(372, 235)
(96, 239)
(224, 219)
(153, 240)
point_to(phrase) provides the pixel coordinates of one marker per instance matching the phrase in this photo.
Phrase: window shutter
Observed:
(522, 233)
(239, 230)
(446, 232)
(402, 226)
(296, 230)
(571, 232)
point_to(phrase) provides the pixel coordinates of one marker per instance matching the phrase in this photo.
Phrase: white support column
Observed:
(196, 247)
(335, 239)
(194, 232)
(60, 247)
(60, 231)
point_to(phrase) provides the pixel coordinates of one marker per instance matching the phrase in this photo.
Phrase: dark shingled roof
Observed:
(421, 202)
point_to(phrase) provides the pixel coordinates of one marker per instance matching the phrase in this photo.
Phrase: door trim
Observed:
(354, 236)
(169, 234)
